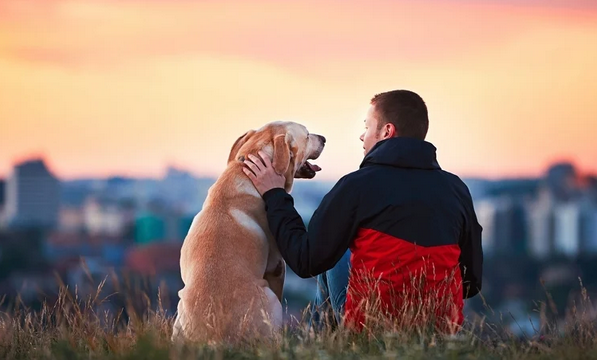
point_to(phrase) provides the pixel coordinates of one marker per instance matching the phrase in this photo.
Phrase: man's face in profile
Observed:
(372, 132)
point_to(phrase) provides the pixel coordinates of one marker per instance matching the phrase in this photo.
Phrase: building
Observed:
(155, 227)
(103, 216)
(561, 226)
(71, 219)
(2, 186)
(32, 196)
(562, 181)
(486, 214)
(541, 225)
(149, 228)
(504, 225)
(567, 228)
(180, 189)
(588, 228)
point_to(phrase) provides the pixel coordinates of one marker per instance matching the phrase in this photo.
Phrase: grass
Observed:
(74, 328)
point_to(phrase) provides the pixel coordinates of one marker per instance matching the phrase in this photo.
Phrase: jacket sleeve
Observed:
(331, 229)
(471, 252)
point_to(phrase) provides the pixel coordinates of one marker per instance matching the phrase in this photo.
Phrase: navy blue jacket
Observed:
(400, 192)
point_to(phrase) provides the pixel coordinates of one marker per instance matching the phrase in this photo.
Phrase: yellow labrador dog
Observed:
(232, 271)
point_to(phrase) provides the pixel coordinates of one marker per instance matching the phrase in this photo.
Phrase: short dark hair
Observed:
(405, 109)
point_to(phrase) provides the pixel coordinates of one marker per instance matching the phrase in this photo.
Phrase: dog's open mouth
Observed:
(307, 171)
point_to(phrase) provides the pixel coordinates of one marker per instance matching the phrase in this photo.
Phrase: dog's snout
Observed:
(322, 138)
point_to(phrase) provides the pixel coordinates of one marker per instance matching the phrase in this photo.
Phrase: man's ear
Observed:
(281, 157)
(388, 131)
(238, 144)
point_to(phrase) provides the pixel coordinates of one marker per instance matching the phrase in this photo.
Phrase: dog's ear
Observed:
(238, 144)
(281, 157)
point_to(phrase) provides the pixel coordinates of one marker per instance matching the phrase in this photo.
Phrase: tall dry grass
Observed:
(73, 327)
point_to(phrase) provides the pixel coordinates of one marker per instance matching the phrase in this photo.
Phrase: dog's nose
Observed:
(322, 138)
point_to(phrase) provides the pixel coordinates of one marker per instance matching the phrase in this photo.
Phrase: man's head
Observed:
(395, 113)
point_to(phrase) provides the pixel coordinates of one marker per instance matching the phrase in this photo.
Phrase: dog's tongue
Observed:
(313, 166)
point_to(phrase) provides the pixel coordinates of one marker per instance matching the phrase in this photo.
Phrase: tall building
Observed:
(2, 185)
(504, 225)
(486, 215)
(562, 180)
(541, 225)
(588, 228)
(567, 228)
(32, 195)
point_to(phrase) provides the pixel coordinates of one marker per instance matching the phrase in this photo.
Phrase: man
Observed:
(412, 232)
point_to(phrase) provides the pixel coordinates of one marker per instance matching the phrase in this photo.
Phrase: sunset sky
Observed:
(126, 87)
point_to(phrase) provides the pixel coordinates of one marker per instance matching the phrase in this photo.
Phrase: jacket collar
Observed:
(403, 152)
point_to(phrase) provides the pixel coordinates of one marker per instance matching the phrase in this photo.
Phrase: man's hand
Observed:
(262, 174)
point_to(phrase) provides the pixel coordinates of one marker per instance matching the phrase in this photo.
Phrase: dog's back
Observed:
(223, 261)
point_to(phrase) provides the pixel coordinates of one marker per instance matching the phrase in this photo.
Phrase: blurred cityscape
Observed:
(539, 235)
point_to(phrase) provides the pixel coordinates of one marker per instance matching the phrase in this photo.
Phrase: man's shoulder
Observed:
(453, 177)
(347, 180)
(356, 177)
(456, 181)
(351, 182)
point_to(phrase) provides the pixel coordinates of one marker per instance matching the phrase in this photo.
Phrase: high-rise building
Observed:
(2, 196)
(504, 225)
(576, 227)
(588, 228)
(562, 181)
(541, 225)
(2, 185)
(32, 195)
(486, 210)
(567, 228)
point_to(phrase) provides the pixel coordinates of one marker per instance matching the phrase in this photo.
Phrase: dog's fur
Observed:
(232, 271)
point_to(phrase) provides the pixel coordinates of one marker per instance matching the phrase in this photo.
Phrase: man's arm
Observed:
(471, 253)
(331, 229)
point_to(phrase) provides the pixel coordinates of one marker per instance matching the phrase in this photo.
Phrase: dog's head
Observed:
(290, 146)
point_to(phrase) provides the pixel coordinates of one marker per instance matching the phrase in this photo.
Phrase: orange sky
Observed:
(125, 87)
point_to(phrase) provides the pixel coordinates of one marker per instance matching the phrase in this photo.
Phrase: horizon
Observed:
(509, 85)
(196, 175)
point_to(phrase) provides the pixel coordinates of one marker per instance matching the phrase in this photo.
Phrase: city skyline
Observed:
(165, 168)
(106, 88)
(541, 217)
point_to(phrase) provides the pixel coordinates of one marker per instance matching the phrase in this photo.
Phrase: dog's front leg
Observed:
(275, 275)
